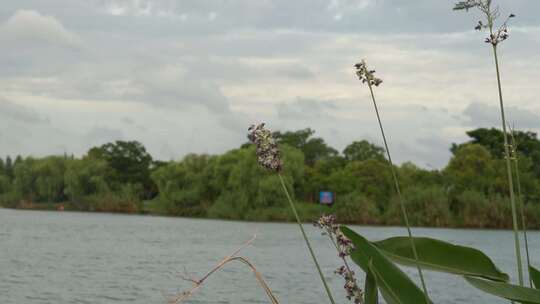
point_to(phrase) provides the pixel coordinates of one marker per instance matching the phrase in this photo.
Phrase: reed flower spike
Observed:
(269, 157)
(496, 34)
(268, 154)
(344, 247)
(368, 76)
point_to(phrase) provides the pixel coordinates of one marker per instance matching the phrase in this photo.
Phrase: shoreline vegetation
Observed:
(54, 207)
(121, 177)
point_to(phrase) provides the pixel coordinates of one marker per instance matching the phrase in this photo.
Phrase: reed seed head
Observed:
(268, 155)
(328, 224)
(365, 75)
(497, 35)
(344, 247)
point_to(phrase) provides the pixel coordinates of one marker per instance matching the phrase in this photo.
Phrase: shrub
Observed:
(475, 209)
(356, 208)
(430, 205)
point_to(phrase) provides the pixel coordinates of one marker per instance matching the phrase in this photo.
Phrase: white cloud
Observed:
(130, 8)
(28, 27)
(160, 72)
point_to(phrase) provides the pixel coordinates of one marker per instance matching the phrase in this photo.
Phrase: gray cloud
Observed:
(484, 115)
(306, 109)
(295, 71)
(191, 75)
(319, 15)
(128, 120)
(15, 112)
(101, 135)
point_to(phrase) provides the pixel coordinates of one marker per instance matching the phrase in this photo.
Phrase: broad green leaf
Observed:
(395, 286)
(535, 276)
(441, 256)
(508, 291)
(370, 290)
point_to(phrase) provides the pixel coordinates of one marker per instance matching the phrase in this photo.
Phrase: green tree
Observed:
(411, 175)
(372, 178)
(7, 196)
(49, 178)
(245, 186)
(492, 140)
(24, 178)
(5, 184)
(129, 163)
(40, 180)
(8, 167)
(184, 187)
(314, 148)
(471, 167)
(85, 177)
(322, 176)
(430, 205)
(363, 150)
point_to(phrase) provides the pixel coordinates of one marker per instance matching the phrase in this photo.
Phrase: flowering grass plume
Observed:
(367, 76)
(268, 154)
(496, 35)
(344, 247)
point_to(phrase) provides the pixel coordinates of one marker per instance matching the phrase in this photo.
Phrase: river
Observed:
(71, 257)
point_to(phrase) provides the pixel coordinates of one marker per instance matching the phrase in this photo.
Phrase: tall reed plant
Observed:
(367, 76)
(268, 156)
(496, 36)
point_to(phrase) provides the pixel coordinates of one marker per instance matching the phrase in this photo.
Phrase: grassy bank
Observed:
(472, 211)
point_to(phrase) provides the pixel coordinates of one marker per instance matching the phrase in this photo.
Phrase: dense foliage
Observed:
(122, 177)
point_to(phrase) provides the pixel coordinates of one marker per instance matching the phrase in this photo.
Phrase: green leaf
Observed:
(507, 291)
(441, 256)
(535, 276)
(370, 290)
(395, 286)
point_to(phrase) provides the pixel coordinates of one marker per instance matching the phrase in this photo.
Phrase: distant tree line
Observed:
(471, 191)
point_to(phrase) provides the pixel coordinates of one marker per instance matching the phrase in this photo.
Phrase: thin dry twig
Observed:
(183, 296)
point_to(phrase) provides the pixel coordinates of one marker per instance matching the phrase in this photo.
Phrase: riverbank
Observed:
(309, 213)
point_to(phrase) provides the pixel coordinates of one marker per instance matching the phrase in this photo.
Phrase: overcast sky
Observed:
(186, 76)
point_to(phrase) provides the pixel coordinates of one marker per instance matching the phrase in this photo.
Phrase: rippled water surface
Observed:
(64, 257)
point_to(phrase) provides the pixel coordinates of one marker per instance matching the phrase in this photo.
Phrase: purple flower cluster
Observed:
(499, 36)
(328, 224)
(344, 247)
(268, 154)
(496, 36)
(351, 287)
(365, 75)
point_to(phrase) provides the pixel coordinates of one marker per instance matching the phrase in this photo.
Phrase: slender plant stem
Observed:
(197, 284)
(508, 168)
(306, 239)
(520, 203)
(523, 220)
(398, 191)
